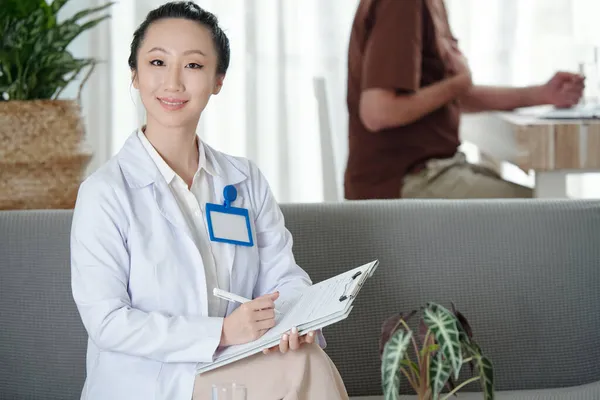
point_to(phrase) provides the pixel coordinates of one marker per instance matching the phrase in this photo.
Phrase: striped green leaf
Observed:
(486, 371)
(439, 372)
(464, 329)
(443, 326)
(393, 354)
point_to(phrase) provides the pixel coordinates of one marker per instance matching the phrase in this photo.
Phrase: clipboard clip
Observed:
(345, 296)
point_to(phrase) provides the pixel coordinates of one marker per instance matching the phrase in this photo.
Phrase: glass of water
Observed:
(228, 391)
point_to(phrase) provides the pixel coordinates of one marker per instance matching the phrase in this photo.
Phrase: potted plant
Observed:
(42, 151)
(446, 344)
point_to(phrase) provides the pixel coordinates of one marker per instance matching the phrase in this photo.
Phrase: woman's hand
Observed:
(249, 321)
(292, 341)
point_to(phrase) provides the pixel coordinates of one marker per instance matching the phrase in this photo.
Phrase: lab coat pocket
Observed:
(130, 376)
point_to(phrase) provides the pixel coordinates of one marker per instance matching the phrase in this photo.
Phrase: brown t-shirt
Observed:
(398, 45)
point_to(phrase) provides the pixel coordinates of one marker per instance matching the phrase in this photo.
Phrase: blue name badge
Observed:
(228, 224)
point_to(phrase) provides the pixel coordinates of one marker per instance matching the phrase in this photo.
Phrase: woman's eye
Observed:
(194, 66)
(157, 63)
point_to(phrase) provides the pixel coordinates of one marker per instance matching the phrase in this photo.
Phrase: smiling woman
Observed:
(143, 264)
(174, 72)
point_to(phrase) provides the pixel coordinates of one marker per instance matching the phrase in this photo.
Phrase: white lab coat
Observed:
(137, 276)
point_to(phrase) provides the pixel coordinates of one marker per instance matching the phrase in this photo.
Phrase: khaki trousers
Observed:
(304, 374)
(455, 178)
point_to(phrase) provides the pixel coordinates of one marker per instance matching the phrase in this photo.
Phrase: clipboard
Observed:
(316, 307)
(358, 279)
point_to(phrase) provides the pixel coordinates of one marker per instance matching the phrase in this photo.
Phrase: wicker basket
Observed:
(42, 156)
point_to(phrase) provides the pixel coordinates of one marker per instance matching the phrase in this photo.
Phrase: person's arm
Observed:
(392, 65)
(382, 109)
(99, 279)
(488, 98)
(563, 90)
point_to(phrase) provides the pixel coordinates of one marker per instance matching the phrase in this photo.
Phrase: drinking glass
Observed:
(228, 391)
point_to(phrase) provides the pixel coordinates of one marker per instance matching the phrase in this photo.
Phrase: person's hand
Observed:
(292, 341)
(564, 90)
(249, 321)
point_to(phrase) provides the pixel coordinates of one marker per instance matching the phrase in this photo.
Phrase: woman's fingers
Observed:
(284, 343)
(264, 315)
(294, 339)
(270, 349)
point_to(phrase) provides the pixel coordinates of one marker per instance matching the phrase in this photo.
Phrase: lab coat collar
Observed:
(164, 168)
(140, 170)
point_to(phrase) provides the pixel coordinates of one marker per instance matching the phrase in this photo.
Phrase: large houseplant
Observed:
(444, 345)
(42, 151)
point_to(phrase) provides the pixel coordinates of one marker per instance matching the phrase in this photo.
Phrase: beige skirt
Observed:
(304, 374)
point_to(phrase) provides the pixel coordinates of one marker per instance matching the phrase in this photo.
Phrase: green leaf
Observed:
(19, 8)
(57, 5)
(390, 325)
(439, 372)
(465, 332)
(484, 367)
(34, 60)
(429, 349)
(85, 13)
(412, 365)
(472, 349)
(486, 371)
(443, 326)
(394, 352)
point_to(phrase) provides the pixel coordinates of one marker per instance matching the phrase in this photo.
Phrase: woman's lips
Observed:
(171, 104)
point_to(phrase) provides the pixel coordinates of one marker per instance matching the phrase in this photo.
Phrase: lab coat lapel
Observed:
(167, 204)
(139, 171)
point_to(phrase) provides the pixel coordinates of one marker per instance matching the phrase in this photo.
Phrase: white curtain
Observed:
(267, 110)
(523, 42)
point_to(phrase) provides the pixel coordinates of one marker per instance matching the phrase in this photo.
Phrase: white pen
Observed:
(233, 297)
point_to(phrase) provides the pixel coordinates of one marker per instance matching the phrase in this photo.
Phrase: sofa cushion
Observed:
(525, 273)
(42, 339)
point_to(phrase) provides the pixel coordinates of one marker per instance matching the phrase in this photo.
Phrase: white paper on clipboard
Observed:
(316, 307)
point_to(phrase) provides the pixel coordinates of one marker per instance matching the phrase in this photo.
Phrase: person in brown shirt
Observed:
(408, 84)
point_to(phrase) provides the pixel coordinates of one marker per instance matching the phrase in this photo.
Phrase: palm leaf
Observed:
(439, 371)
(85, 13)
(443, 326)
(393, 354)
(34, 60)
(57, 5)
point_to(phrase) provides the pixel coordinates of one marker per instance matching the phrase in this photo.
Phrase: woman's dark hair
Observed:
(185, 10)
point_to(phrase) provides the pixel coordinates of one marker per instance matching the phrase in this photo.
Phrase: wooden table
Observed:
(553, 149)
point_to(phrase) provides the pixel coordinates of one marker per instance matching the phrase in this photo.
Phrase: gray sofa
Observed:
(525, 272)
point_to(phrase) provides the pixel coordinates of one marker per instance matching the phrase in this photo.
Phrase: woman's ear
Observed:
(134, 79)
(218, 83)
